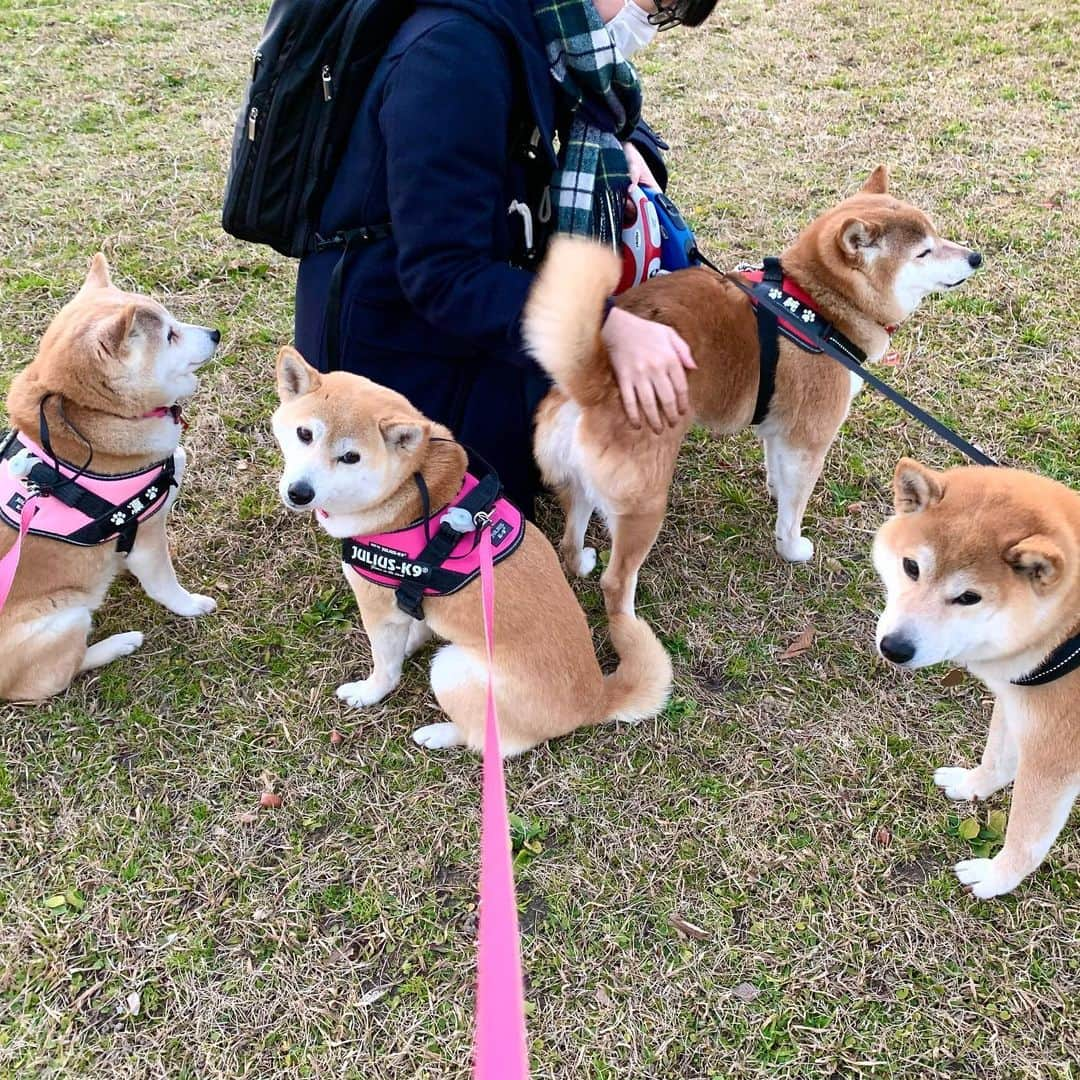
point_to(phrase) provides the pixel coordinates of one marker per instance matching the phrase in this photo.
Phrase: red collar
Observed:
(175, 411)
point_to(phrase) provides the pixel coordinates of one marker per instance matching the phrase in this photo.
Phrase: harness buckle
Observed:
(21, 463)
(460, 520)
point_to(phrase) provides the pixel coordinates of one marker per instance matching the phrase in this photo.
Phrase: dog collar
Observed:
(420, 560)
(1061, 662)
(162, 411)
(73, 504)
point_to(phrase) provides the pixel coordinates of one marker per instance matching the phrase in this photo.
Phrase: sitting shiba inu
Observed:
(982, 568)
(388, 482)
(860, 268)
(88, 474)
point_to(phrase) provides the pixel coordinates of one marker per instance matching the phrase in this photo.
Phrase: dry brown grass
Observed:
(786, 808)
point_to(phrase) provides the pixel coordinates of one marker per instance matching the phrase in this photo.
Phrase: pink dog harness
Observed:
(44, 496)
(416, 561)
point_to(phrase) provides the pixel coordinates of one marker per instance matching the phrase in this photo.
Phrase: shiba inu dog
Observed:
(866, 264)
(372, 468)
(982, 568)
(94, 457)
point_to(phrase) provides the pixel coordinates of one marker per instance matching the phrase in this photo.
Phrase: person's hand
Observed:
(650, 361)
(640, 174)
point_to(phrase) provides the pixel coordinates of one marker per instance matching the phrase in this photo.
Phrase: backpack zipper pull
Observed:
(256, 56)
(327, 83)
(253, 117)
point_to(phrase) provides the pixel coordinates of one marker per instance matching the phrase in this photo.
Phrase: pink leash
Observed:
(10, 562)
(501, 1052)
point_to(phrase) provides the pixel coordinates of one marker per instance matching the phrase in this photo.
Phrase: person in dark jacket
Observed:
(451, 161)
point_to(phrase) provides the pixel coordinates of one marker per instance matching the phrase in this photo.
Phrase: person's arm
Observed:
(445, 118)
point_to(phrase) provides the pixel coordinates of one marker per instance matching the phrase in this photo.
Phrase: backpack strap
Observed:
(347, 240)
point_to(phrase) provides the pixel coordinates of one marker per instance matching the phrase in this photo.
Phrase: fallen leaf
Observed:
(336, 738)
(687, 928)
(802, 644)
(746, 992)
(134, 1002)
(953, 678)
(603, 998)
(269, 798)
(883, 837)
(247, 817)
(856, 507)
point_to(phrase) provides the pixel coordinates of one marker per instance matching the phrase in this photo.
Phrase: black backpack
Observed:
(308, 75)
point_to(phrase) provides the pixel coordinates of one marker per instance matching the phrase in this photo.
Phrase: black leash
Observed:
(770, 312)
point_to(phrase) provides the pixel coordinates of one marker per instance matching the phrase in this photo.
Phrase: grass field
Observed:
(154, 921)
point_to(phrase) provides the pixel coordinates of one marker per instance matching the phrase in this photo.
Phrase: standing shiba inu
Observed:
(367, 462)
(982, 568)
(95, 450)
(867, 264)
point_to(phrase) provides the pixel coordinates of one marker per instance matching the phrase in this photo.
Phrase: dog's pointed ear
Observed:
(857, 237)
(115, 330)
(1038, 558)
(404, 434)
(295, 376)
(877, 183)
(915, 487)
(98, 275)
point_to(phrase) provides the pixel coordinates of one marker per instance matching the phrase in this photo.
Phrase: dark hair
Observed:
(681, 12)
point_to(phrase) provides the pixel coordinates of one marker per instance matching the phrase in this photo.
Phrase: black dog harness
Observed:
(782, 307)
(417, 563)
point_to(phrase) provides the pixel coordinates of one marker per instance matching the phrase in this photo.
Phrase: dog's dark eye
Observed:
(923, 254)
(967, 598)
(911, 568)
(303, 434)
(350, 457)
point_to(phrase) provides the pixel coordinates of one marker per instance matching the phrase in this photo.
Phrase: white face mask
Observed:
(631, 29)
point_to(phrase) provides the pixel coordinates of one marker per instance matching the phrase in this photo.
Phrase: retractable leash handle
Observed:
(501, 1052)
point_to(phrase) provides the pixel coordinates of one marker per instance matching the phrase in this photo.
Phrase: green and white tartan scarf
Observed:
(596, 82)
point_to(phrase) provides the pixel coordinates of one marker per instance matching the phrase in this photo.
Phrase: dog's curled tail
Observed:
(564, 314)
(640, 686)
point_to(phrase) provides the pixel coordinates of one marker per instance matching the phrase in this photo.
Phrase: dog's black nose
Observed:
(974, 259)
(896, 648)
(301, 493)
(215, 335)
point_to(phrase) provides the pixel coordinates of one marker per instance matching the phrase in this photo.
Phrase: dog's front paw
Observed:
(798, 550)
(126, 644)
(956, 783)
(985, 878)
(438, 736)
(192, 605)
(363, 693)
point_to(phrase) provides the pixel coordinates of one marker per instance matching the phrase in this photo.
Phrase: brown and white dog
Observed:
(351, 450)
(107, 377)
(867, 263)
(982, 568)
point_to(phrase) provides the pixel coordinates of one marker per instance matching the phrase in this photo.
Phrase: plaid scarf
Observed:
(602, 91)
